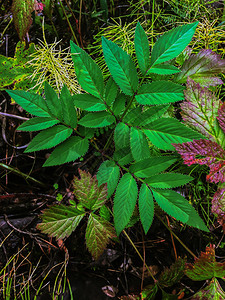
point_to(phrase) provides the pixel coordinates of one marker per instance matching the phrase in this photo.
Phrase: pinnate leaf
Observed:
(138, 144)
(98, 234)
(32, 103)
(121, 136)
(108, 173)
(165, 131)
(69, 112)
(111, 91)
(88, 72)
(146, 207)
(205, 266)
(124, 201)
(49, 138)
(60, 221)
(172, 43)
(88, 102)
(97, 119)
(213, 156)
(199, 111)
(159, 92)
(202, 68)
(142, 48)
(38, 123)
(150, 166)
(87, 191)
(120, 66)
(178, 207)
(69, 150)
(164, 69)
(53, 102)
(168, 180)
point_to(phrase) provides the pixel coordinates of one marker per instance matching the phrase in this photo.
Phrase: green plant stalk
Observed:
(68, 21)
(135, 248)
(176, 237)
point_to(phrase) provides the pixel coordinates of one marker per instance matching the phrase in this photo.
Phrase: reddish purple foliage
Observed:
(212, 154)
(221, 117)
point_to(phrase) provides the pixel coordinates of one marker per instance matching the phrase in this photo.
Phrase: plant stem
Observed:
(176, 237)
(135, 248)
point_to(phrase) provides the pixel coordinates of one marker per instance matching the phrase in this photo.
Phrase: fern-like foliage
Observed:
(131, 110)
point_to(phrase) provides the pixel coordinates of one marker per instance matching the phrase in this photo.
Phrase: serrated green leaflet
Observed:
(49, 138)
(88, 72)
(131, 116)
(151, 114)
(120, 66)
(119, 104)
(172, 43)
(38, 123)
(108, 173)
(124, 201)
(97, 119)
(178, 207)
(32, 103)
(88, 102)
(163, 69)
(159, 92)
(121, 136)
(69, 112)
(97, 236)
(53, 102)
(142, 48)
(138, 144)
(123, 156)
(146, 207)
(165, 131)
(111, 91)
(151, 166)
(70, 150)
(168, 180)
(60, 221)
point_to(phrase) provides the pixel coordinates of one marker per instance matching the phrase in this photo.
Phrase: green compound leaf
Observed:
(111, 91)
(38, 123)
(168, 180)
(138, 144)
(69, 112)
(151, 166)
(88, 102)
(108, 173)
(212, 291)
(60, 221)
(178, 207)
(98, 235)
(121, 136)
(87, 191)
(120, 66)
(70, 150)
(32, 103)
(165, 131)
(119, 104)
(49, 138)
(159, 92)
(124, 201)
(97, 119)
(146, 207)
(142, 48)
(172, 275)
(88, 72)
(172, 43)
(163, 69)
(22, 18)
(151, 114)
(53, 102)
(205, 266)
